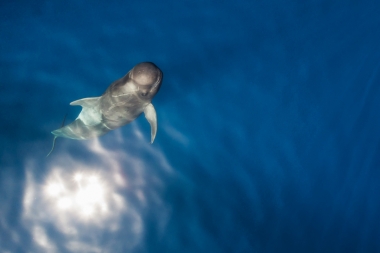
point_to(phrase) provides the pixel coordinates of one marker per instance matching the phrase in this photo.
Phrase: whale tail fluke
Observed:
(55, 137)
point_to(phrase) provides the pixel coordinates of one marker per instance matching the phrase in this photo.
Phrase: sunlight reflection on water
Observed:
(85, 195)
(81, 200)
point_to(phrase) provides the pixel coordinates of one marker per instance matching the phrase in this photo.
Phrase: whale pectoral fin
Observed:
(86, 102)
(150, 115)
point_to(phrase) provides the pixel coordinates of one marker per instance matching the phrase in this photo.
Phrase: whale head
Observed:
(147, 79)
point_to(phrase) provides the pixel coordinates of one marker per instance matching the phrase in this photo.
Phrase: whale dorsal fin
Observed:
(86, 102)
(90, 115)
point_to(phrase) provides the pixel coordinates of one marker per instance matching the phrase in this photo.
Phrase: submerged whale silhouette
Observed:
(122, 102)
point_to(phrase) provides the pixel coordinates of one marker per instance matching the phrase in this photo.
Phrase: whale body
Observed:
(122, 102)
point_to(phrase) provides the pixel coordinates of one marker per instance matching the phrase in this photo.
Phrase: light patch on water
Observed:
(82, 200)
(176, 135)
(85, 195)
(42, 239)
(136, 131)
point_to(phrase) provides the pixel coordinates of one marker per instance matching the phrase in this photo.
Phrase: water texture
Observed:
(268, 127)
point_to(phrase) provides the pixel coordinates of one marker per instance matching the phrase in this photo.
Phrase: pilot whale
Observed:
(122, 102)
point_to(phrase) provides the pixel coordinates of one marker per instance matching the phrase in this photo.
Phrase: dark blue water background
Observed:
(268, 127)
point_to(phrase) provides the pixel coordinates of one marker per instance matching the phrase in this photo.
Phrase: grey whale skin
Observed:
(122, 102)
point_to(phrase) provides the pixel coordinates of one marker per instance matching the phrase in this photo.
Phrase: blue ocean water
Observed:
(268, 127)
